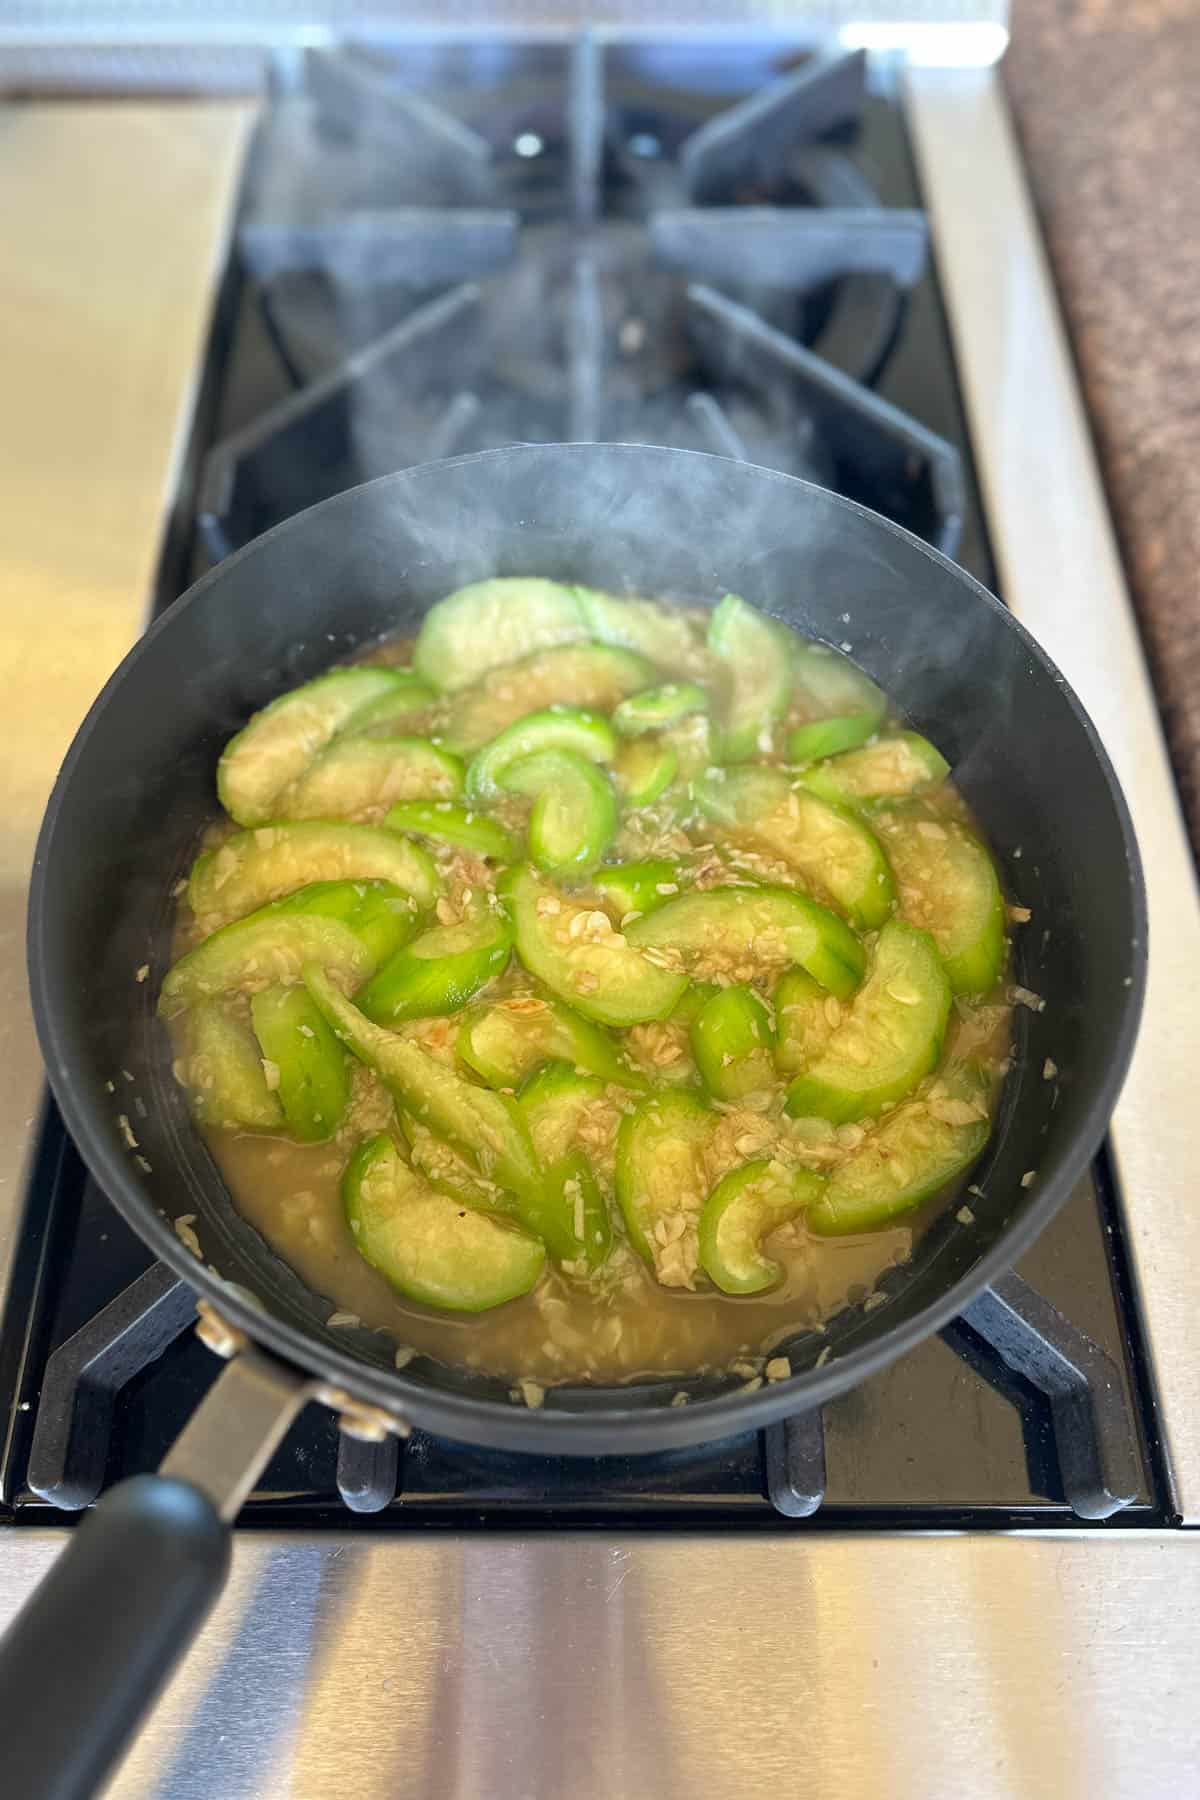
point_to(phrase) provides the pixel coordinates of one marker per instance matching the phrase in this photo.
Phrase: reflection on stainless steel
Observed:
(60, 32)
(613, 1667)
(1060, 571)
(100, 344)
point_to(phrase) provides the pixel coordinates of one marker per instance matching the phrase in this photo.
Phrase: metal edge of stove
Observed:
(211, 47)
(1061, 572)
(888, 24)
(612, 1666)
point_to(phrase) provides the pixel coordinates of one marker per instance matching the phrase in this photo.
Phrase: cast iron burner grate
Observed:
(593, 253)
(1011, 1336)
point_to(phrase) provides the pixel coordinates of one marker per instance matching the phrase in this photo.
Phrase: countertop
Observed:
(1106, 95)
(116, 222)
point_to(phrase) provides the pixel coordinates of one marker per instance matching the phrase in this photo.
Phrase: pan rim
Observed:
(491, 1423)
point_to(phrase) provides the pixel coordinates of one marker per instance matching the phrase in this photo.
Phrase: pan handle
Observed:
(85, 1657)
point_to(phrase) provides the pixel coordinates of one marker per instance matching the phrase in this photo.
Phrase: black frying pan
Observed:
(121, 828)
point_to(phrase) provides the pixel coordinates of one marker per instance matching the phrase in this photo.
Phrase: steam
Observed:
(592, 331)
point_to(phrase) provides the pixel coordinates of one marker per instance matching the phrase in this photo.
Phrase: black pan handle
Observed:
(88, 1653)
(90, 1650)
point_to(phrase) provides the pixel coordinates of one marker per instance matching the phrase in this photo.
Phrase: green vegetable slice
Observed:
(757, 654)
(256, 866)
(744, 1208)
(733, 1042)
(574, 816)
(428, 1246)
(486, 1126)
(448, 823)
(805, 1019)
(408, 696)
(440, 971)
(661, 1175)
(596, 969)
(828, 737)
(223, 1073)
(570, 1213)
(592, 675)
(891, 1037)
(313, 1083)
(910, 1156)
(557, 728)
(656, 707)
(889, 769)
(828, 845)
(693, 1001)
(665, 636)
(555, 1099)
(506, 1040)
(637, 886)
(349, 926)
(724, 929)
(948, 886)
(277, 745)
(479, 627)
(359, 775)
(448, 1170)
(842, 706)
(645, 769)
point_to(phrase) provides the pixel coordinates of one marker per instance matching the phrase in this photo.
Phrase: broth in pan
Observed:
(591, 988)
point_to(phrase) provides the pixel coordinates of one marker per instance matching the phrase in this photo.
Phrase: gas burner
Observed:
(1010, 1337)
(348, 279)
(598, 255)
(874, 452)
(359, 210)
(345, 427)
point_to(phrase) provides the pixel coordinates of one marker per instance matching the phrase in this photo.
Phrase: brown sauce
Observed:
(626, 1327)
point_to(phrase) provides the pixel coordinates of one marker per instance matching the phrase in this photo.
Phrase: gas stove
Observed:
(799, 257)
(720, 247)
(716, 252)
(1022, 1412)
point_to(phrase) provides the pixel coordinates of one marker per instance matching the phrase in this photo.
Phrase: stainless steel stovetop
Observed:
(450, 245)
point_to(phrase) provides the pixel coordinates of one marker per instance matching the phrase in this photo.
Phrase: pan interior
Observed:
(138, 787)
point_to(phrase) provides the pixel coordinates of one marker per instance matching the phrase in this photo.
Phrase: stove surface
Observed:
(715, 247)
(949, 1435)
(494, 242)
